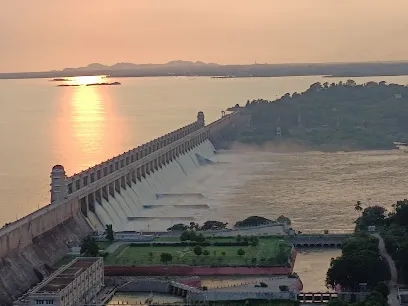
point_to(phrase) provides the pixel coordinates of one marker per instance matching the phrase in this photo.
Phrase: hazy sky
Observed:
(52, 34)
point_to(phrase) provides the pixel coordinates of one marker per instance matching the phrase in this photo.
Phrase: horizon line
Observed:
(213, 63)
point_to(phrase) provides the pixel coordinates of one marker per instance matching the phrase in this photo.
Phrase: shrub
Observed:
(198, 250)
(241, 252)
(283, 288)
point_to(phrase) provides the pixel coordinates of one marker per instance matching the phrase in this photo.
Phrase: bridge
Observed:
(108, 193)
(318, 240)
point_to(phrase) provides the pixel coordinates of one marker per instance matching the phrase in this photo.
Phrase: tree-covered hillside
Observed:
(333, 116)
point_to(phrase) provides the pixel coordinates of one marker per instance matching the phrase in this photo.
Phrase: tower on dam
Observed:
(58, 187)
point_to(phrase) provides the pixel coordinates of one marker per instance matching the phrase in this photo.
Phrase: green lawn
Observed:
(269, 252)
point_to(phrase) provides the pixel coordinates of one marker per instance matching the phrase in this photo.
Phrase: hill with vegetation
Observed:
(343, 116)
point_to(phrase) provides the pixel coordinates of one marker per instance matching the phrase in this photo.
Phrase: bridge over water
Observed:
(319, 240)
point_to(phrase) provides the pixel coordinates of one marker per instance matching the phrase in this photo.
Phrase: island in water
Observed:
(92, 84)
(59, 80)
(330, 117)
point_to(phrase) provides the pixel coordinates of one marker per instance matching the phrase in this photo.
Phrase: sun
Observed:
(85, 80)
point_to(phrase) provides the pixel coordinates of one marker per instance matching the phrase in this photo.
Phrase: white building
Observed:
(74, 284)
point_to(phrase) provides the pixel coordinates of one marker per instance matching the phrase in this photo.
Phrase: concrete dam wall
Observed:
(22, 269)
(134, 201)
(113, 192)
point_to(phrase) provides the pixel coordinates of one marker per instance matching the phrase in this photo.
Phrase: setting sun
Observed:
(85, 80)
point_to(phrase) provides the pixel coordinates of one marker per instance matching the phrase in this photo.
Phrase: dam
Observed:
(120, 191)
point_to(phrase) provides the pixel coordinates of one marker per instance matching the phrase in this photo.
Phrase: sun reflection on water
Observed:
(88, 130)
(88, 119)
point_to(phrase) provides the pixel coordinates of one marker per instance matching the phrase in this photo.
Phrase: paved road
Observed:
(393, 296)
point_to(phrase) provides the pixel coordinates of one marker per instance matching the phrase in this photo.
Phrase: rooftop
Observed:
(65, 275)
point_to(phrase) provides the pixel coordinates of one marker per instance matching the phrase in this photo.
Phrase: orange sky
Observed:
(40, 35)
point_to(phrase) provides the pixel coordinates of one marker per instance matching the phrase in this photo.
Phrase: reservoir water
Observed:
(42, 125)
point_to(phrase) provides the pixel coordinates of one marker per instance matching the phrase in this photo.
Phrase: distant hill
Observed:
(187, 68)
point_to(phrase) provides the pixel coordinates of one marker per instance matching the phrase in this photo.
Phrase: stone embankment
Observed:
(21, 269)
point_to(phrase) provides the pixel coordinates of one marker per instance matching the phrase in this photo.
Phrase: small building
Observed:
(371, 228)
(74, 284)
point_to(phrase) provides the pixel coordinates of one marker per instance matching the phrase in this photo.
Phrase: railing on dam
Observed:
(120, 165)
(18, 234)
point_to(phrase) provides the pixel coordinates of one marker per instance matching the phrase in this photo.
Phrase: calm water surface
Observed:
(78, 127)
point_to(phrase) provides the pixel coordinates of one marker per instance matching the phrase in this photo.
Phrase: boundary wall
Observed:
(193, 271)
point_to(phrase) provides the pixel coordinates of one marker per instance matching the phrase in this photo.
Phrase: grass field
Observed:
(269, 252)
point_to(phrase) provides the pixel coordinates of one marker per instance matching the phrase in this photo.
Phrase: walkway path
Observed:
(114, 246)
(393, 296)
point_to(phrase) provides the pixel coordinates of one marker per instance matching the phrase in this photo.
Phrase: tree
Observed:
(89, 247)
(373, 215)
(382, 288)
(254, 241)
(252, 221)
(166, 257)
(191, 235)
(109, 232)
(223, 253)
(200, 238)
(241, 252)
(185, 236)
(376, 298)
(213, 225)
(336, 302)
(315, 86)
(238, 238)
(284, 220)
(178, 227)
(283, 288)
(198, 250)
(194, 226)
(357, 206)
(206, 252)
(401, 213)
(360, 262)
